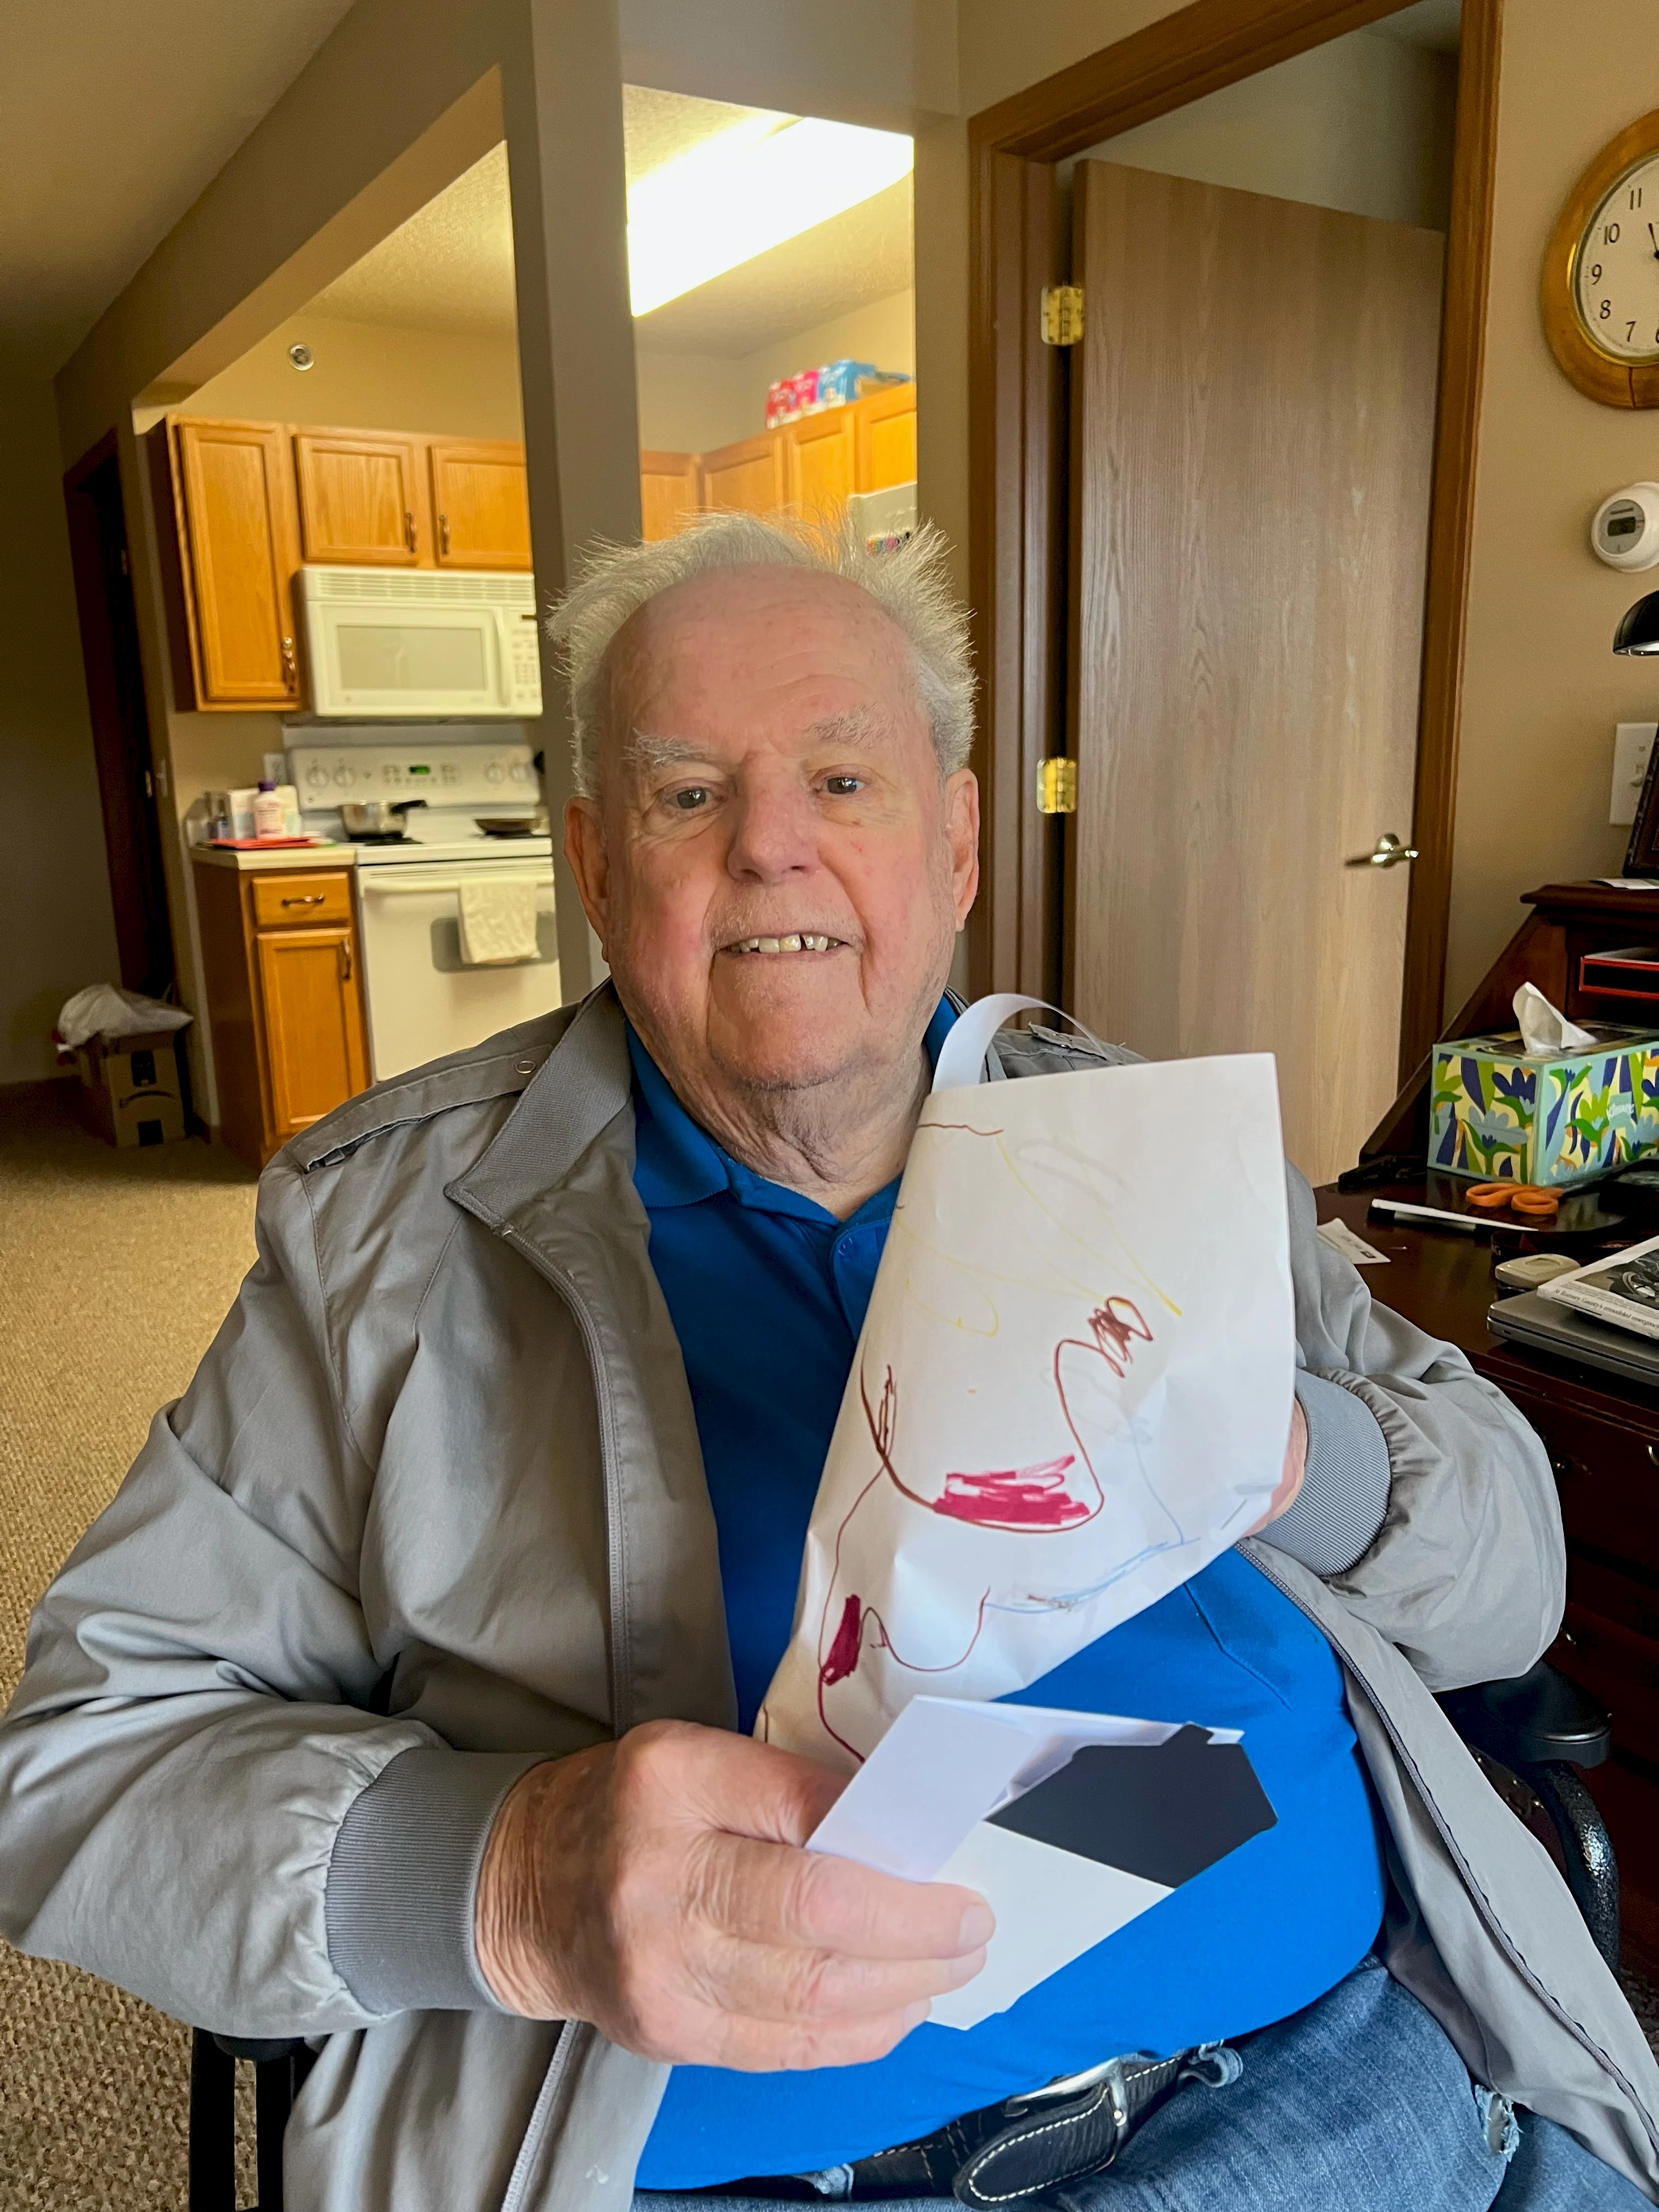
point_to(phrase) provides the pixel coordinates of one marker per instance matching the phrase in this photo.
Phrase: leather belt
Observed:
(1005, 2152)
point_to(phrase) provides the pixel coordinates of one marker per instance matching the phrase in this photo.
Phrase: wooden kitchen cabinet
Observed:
(480, 503)
(818, 458)
(885, 433)
(230, 582)
(749, 477)
(668, 493)
(363, 497)
(284, 1000)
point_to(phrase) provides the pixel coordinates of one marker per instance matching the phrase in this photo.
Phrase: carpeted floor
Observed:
(115, 1268)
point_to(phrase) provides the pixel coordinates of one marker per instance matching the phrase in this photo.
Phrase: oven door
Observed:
(366, 658)
(423, 1000)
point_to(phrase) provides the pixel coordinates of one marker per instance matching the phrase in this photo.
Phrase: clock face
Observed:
(1616, 278)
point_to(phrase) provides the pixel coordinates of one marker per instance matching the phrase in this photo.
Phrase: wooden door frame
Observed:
(1017, 462)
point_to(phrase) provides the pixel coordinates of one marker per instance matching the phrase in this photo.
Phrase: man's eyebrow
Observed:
(649, 754)
(855, 726)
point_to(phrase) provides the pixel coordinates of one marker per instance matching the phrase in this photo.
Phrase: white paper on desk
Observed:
(1069, 1825)
(1071, 1391)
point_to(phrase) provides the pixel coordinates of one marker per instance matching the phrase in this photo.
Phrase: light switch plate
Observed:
(1632, 744)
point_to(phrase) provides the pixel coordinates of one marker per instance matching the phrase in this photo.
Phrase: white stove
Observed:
(425, 999)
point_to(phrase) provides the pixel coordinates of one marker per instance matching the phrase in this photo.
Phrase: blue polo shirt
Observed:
(767, 1292)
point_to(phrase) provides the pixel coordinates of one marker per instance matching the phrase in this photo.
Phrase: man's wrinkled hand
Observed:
(657, 1887)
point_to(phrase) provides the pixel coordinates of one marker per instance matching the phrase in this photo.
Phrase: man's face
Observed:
(775, 867)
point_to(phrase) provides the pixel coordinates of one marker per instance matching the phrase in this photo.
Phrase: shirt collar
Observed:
(678, 1162)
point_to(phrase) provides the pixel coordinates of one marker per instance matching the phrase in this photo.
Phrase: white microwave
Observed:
(422, 643)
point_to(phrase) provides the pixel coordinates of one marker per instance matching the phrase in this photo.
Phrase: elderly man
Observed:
(398, 1702)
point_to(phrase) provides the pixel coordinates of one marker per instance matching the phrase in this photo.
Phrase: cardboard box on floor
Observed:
(130, 1088)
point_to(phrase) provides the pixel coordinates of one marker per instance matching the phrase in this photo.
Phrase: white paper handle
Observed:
(962, 1056)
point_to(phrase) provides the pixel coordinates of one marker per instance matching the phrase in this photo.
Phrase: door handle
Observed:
(310, 898)
(345, 962)
(443, 534)
(290, 670)
(408, 530)
(1389, 853)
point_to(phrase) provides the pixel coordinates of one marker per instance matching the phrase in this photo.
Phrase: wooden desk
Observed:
(1602, 1436)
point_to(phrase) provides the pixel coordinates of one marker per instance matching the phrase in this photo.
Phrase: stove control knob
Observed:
(493, 773)
(343, 777)
(316, 776)
(521, 772)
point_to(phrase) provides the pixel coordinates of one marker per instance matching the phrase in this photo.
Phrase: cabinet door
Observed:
(819, 450)
(313, 1023)
(480, 503)
(668, 493)
(358, 500)
(748, 477)
(243, 535)
(886, 439)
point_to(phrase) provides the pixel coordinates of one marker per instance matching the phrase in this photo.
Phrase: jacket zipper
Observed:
(1495, 1928)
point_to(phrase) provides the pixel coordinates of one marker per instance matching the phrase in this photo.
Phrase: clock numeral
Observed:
(1629, 332)
(1604, 311)
(1595, 272)
(1610, 234)
(1636, 197)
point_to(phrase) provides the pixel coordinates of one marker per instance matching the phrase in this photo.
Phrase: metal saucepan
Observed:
(376, 818)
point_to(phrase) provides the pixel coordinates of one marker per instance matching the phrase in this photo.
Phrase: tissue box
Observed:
(131, 1093)
(1505, 1116)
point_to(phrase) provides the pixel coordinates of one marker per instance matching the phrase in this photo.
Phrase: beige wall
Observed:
(691, 403)
(58, 933)
(1363, 124)
(1542, 690)
(372, 376)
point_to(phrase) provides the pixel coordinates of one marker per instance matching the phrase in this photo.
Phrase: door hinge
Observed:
(1057, 785)
(1062, 315)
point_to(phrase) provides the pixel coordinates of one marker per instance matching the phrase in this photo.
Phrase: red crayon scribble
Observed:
(1022, 1500)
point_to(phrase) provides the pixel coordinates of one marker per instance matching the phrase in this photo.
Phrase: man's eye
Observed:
(843, 786)
(690, 798)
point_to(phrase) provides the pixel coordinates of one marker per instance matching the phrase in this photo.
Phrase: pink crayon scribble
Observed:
(847, 1648)
(1014, 1497)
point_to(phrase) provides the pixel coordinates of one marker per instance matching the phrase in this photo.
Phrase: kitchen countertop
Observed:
(279, 856)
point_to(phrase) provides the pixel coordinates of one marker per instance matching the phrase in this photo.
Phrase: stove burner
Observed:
(381, 837)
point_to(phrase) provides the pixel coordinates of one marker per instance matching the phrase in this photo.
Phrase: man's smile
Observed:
(795, 941)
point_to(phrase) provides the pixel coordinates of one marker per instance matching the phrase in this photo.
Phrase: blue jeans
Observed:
(1359, 2104)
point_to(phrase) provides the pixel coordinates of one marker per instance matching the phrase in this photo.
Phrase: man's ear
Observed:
(962, 829)
(590, 862)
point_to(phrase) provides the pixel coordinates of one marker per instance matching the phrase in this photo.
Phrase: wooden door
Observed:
(668, 493)
(360, 497)
(315, 1056)
(885, 438)
(819, 453)
(1253, 416)
(480, 503)
(748, 477)
(242, 531)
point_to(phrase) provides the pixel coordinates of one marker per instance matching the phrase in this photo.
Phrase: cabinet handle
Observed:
(1653, 1455)
(310, 898)
(290, 670)
(408, 530)
(345, 962)
(443, 534)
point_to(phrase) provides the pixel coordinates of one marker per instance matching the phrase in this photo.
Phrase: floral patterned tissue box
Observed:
(1506, 1115)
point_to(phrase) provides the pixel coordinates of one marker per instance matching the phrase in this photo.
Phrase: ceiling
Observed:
(450, 266)
(110, 129)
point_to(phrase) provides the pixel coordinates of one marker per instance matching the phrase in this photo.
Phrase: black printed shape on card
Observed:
(1163, 1811)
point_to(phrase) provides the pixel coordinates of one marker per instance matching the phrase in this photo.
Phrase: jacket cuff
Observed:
(1335, 1516)
(404, 1875)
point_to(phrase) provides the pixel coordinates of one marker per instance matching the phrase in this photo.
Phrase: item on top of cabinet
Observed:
(842, 382)
(269, 816)
(791, 396)
(284, 822)
(1498, 1112)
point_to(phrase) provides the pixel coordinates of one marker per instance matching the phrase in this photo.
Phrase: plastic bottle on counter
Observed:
(270, 815)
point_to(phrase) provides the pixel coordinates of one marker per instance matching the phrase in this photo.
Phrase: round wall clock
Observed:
(1600, 292)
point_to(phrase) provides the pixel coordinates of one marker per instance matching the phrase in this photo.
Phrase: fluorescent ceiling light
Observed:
(765, 180)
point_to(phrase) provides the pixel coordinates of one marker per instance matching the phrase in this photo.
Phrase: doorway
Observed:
(1223, 629)
(120, 721)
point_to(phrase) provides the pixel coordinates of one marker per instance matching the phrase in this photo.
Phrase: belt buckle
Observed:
(1064, 2087)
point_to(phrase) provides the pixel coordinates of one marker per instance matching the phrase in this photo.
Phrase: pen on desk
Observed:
(1400, 1209)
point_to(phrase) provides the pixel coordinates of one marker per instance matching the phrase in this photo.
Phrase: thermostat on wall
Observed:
(1625, 532)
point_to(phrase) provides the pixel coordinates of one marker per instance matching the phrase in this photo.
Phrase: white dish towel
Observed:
(498, 921)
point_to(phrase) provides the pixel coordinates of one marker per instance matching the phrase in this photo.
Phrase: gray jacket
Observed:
(433, 1508)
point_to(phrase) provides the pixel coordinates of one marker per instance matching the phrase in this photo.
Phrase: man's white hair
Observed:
(910, 585)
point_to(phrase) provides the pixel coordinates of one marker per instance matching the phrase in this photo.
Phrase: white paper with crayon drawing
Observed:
(1071, 1391)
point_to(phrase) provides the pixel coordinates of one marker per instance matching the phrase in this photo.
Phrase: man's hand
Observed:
(1296, 1466)
(657, 1887)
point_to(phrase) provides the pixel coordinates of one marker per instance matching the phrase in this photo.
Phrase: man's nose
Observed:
(774, 833)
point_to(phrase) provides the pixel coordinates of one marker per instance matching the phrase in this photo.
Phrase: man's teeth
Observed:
(801, 942)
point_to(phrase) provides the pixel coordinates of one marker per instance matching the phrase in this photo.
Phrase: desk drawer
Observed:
(1609, 1479)
(285, 896)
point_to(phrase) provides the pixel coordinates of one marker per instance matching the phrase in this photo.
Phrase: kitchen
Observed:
(349, 615)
